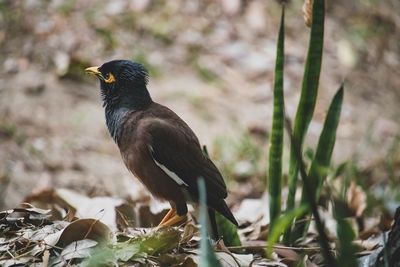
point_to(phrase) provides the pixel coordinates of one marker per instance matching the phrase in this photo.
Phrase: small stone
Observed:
(191, 7)
(61, 60)
(190, 37)
(39, 144)
(35, 89)
(386, 128)
(262, 92)
(346, 55)
(221, 32)
(235, 50)
(115, 7)
(243, 168)
(10, 65)
(231, 7)
(44, 27)
(256, 63)
(256, 16)
(139, 5)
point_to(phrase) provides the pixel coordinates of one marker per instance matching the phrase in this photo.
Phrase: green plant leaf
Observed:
(161, 241)
(347, 249)
(320, 164)
(326, 142)
(276, 141)
(308, 97)
(280, 226)
(329, 259)
(101, 255)
(227, 231)
(207, 255)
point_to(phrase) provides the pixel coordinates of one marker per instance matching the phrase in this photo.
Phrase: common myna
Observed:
(157, 146)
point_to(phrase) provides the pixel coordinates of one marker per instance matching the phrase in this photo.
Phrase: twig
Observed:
(276, 246)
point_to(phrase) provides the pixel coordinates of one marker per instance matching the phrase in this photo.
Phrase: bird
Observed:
(156, 145)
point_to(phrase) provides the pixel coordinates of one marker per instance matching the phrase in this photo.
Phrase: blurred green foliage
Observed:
(240, 158)
(140, 57)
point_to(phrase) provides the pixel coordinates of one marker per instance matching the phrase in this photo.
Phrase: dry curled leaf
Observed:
(188, 233)
(357, 199)
(85, 229)
(50, 199)
(307, 11)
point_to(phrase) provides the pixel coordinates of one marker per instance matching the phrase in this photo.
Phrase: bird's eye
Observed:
(109, 78)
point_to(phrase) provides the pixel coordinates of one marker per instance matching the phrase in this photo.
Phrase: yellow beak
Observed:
(93, 71)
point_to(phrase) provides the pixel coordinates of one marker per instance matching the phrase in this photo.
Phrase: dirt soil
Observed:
(210, 61)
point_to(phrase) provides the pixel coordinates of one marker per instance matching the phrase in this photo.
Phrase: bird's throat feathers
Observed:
(131, 97)
(118, 104)
(115, 119)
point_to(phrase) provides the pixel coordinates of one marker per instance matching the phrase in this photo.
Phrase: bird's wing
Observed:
(176, 150)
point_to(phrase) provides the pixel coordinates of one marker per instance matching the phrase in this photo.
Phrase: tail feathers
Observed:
(223, 209)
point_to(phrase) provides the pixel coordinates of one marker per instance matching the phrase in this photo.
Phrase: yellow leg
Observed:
(174, 220)
(169, 215)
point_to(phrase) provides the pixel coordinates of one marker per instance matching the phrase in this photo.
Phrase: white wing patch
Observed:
(171, 174)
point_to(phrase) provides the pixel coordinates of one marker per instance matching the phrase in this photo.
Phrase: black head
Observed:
(123, 84)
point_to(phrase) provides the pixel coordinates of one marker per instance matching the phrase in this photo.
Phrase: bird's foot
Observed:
(169, 215)
(172, 218)
(176, 219)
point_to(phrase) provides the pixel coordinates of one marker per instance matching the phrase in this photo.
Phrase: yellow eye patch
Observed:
(110, 78)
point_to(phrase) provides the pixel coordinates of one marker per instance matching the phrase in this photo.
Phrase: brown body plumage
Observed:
(157, 146)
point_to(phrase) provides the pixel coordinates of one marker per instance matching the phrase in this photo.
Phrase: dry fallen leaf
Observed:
(85, 229)
(356, 199)
(251, 210)
(49, 199)
(289, 256)
(67, 204)
(176, 260)
(188, 233)
(76, 250)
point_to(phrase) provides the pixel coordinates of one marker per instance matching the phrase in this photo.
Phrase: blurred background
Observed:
(212, 62)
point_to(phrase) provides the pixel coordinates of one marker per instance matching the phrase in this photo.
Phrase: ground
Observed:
(210, 61)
